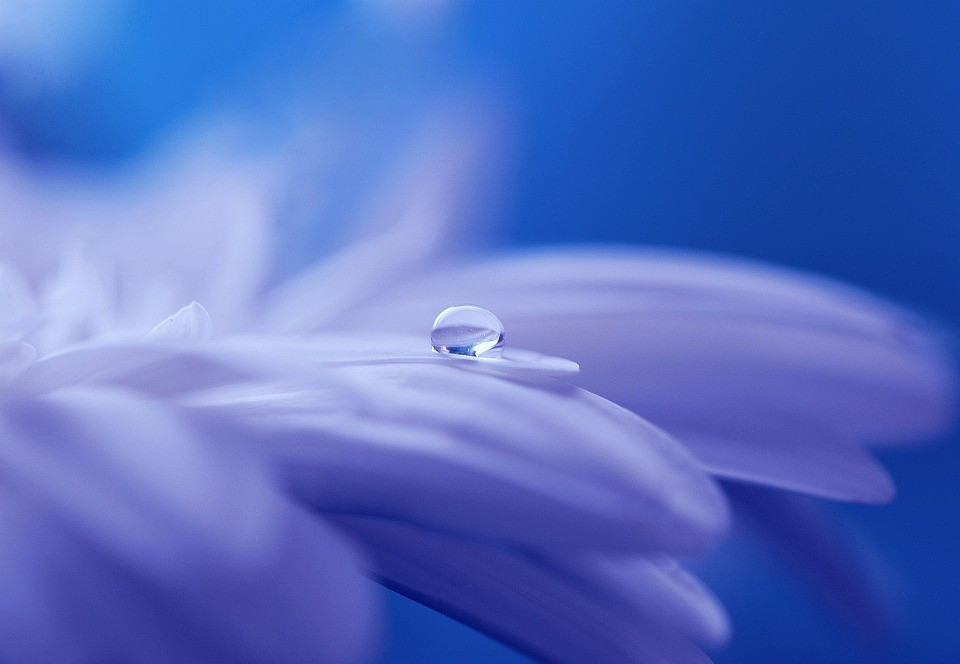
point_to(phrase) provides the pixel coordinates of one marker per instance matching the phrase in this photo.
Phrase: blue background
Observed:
(822, 135)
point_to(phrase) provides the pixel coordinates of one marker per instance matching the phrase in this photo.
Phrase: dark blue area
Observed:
(822, 135)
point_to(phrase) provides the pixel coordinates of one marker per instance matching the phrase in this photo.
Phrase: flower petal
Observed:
(163, 367)
(15, 357)
(393, 415)
(820, 462)
(191, 222)
(476, 454)
(124, 539)
(152, 368)
(17, 305)
(74, 304)
(551, 613)
(832, 561)
(408, 224)
(191, 323)
(697, 343)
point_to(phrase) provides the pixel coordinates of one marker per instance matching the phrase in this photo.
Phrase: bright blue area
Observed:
(166, 60)
(823, 135)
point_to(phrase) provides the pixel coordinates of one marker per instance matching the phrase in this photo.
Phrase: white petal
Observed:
(74, 304)
(406, 226)
(191, 323)
(148, 367)
(793, 454)
(124, 538)
(416, 426)
(15, 357)
(163, 369)
(191, 222)
(474, 453)
(17, 306)
(833, 559)
(551, 613)
(710, 349)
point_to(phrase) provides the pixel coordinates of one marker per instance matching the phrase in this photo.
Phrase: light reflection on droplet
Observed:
(467, 330)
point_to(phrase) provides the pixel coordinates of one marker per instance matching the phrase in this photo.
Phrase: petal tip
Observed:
(191, 323)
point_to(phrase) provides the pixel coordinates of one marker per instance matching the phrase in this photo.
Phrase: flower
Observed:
(211, 484)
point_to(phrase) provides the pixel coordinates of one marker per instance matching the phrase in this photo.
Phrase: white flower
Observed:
(140, 517)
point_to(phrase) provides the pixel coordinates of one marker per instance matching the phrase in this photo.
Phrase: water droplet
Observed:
(467, 330)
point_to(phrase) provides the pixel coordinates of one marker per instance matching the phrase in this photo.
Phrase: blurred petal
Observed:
(17, 305)
(388, 426)
(74, 304)
(719, 352)
(671, 597)
(415, 219)
(476, 454)
(552, 613)
(152, 368)
(373, 425)
(191, 223)
(191, 323)
(830, 559)
(15, 357)
(789, 453)
(124, 539)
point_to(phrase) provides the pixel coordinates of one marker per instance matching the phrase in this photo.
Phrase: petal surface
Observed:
(477, 454)
(415, 217)
(834, 562)
(191, 223)
(191, 323)
(620, 611)
(378, 429)
(123, 538)
(384, 425)
(716, 351)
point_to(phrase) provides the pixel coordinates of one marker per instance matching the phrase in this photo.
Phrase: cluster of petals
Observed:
(204, 458)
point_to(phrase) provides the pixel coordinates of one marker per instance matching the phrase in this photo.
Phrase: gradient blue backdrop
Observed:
(822, 135)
